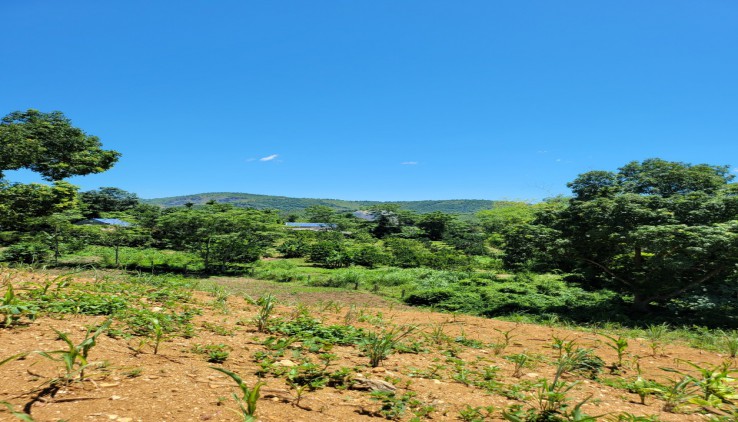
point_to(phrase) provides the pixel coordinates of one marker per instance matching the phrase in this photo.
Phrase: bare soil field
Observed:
(449, 367)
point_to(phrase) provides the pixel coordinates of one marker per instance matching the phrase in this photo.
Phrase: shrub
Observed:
(26, 252)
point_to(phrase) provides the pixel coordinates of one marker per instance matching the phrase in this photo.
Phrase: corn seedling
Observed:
(23, 416)
(75, 357)
(378, 346)
(676, 394)
(551, 400)
(712, 382)
(619, 344)
(640, 386)
(158, 333)
(266, 304)
(247, 403)
(11, 308)
(562, 346)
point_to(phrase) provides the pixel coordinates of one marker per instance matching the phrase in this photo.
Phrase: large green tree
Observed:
(655, 229)
(107, 199)
(220, 233)
(48, 144)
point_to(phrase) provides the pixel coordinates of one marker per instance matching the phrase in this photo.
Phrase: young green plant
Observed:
(246, 403)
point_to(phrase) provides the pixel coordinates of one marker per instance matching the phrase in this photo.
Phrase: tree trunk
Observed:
(640, 304)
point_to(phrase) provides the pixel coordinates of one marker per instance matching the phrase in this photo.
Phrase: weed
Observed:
(656, 333)
(216, 353)
(394, 406)
(217, 329)
(378, 346)
(675, 395)
(476, 414)
(507, 336)
(730, 341)
(250, 395)
(520, 360)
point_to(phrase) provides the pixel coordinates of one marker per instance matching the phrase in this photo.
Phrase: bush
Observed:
(430, 297)
(26, 253)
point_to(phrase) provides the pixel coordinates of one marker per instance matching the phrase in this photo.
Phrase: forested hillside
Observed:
(284, 203)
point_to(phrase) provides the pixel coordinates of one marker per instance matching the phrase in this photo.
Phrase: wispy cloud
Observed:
(269, 157)
(409, 163)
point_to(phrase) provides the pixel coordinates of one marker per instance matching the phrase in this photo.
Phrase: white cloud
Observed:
(409, 163)
(269, 157)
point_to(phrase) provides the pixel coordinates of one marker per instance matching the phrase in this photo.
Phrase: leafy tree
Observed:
(48, 144)
(655, 229)
(435, 224)
(368, 255)
(21, 202)
(320, 214)
(407, 253)
(390, 219)
(107, 199)
(330, 250)
(297, 244)
(211, 230)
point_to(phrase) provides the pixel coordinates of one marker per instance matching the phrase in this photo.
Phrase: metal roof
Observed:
(312, 225)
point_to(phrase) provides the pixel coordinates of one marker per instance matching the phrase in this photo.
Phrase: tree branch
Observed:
(607, 270)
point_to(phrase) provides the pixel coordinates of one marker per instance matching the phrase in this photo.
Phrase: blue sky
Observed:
(380, 99)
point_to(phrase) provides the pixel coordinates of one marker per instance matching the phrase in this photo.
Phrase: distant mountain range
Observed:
(287, 204)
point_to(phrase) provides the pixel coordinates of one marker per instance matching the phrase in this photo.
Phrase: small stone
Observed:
(113, 417)
(286, 362)
(115, 397)
(371, 384)
(125, 419)
(532, 375)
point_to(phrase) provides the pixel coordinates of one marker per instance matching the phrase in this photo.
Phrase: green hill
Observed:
(287, 204)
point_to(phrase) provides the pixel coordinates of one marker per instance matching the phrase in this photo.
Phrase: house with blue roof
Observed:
(311, 226)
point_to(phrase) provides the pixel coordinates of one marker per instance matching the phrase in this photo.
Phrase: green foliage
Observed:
(656, 229)
(107, 199)
(216, 353)
(13, 308)
(311, 331)
(266, 308)
(246, 403)
(220, 234)
(280, 270)
(26, 253)
(75, 356)
(48, 144)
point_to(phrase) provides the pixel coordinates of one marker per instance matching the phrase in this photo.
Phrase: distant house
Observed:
(364, 215)
(311, 226)
(105, 222)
